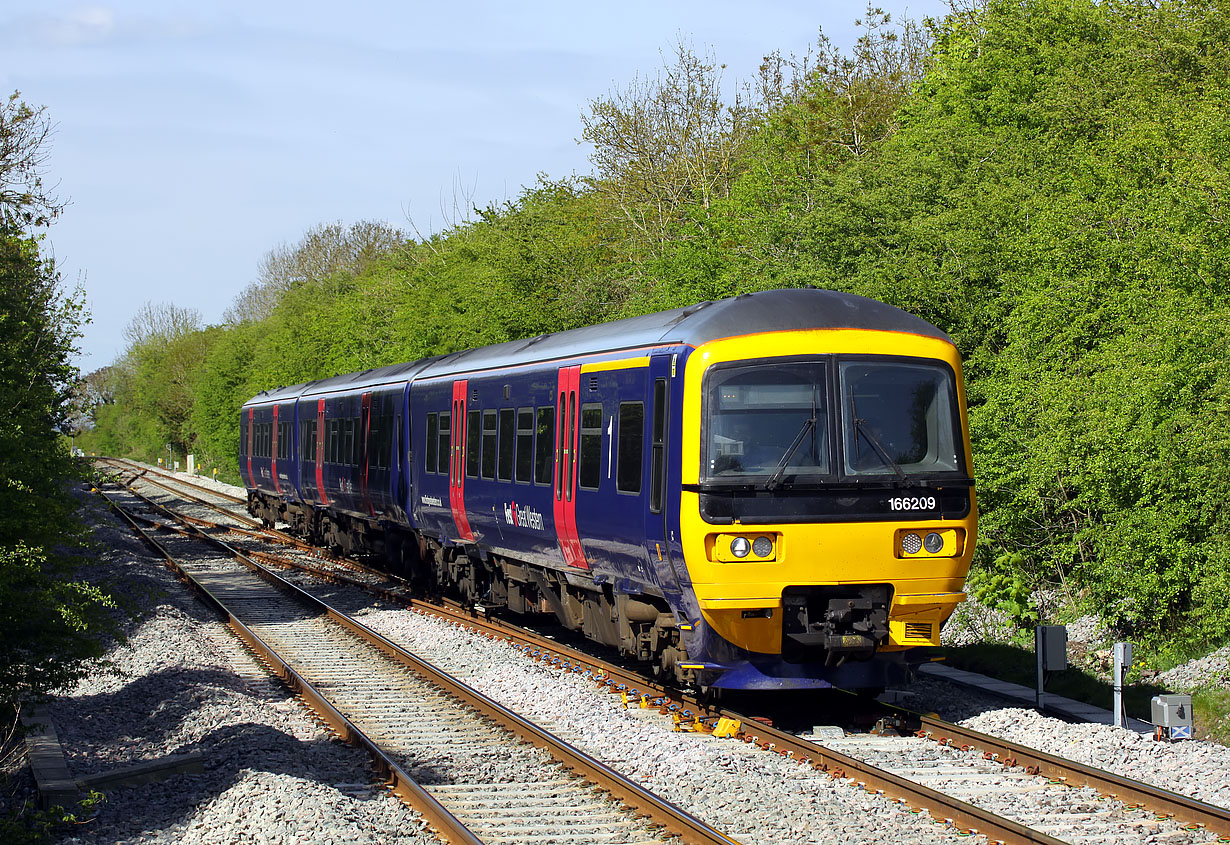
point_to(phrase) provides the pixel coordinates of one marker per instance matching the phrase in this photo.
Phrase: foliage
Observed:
(28, 825)
(46, 617)
(25, 134)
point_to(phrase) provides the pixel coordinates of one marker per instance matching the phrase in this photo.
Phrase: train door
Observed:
(566, 435)
(320, 451)
(250, 438)
(365, 452)
(274, 445)
(658, 517)
(457, 463)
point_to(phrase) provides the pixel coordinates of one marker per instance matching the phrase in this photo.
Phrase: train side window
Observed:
(433, 442)
(508, 435)
(631, 447)
(544, 448)
(307, 441)
(474, 421)
(489, 444)
(443, 450)
(525, 445)
(591, 446)
(330, 441)
(657, 471)
(375, 441)
(347, 442)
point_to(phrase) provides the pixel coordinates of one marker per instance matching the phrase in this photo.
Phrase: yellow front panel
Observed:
(926, 587)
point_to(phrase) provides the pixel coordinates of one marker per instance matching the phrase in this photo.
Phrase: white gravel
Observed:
(1210, 670)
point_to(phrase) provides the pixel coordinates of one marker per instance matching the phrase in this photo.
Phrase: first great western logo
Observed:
(523, 517)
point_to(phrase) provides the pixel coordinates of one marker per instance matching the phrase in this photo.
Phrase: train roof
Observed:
(787, 309)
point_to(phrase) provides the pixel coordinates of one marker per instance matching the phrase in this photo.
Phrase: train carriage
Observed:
(767, 492)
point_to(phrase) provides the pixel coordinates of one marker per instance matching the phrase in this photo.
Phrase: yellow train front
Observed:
(826, 507)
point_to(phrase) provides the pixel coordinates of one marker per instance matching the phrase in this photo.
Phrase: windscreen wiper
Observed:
(862, 428)
(809, 425)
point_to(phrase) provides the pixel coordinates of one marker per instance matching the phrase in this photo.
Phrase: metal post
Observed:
(1038, 652)
(1123, 664)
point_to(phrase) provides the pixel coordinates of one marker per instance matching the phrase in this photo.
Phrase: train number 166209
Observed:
(912, 503)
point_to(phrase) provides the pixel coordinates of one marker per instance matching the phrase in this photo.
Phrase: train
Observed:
(767, 492)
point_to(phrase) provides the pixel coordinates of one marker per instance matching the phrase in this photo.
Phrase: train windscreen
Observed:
(767, 421)
(898, 418)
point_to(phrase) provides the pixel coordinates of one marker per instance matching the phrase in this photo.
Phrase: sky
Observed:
(193, 139)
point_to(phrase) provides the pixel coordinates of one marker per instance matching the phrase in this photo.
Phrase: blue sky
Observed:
(191, 140)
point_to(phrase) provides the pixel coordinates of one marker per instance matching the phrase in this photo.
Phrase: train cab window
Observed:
(508, 434)
(474, 421)
(591, 446)
(544, 447)
(525, 445)
(442, 451)
(631, 447)
(767, 420)
(489, 444)
(433, 442)
(899, 418)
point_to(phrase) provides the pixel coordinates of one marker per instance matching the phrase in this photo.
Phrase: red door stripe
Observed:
(567, 435)
(251, 437)
(320, 452)
(273, 452)
(457, 466)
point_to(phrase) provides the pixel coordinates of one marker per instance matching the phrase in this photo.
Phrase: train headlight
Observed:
(743, 548)
(911, 544)
(940, 542)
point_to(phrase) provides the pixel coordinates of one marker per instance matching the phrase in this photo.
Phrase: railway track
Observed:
(423, 727)
(974, 780)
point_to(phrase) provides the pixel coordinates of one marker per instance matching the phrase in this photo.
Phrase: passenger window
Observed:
(544, 448)
(347, 456)
(525, 445)
(489, 444)
(591, 446)
(443, 450)
(433, 443)
(474, 423)
(508, 434)
(631, 442)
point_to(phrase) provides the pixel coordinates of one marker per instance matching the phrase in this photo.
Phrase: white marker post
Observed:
(1123, 665)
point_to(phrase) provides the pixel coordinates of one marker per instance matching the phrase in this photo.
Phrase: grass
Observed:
(1210, 707)
(1211, 710)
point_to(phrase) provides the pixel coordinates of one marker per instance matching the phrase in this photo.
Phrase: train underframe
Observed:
(640, 626)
